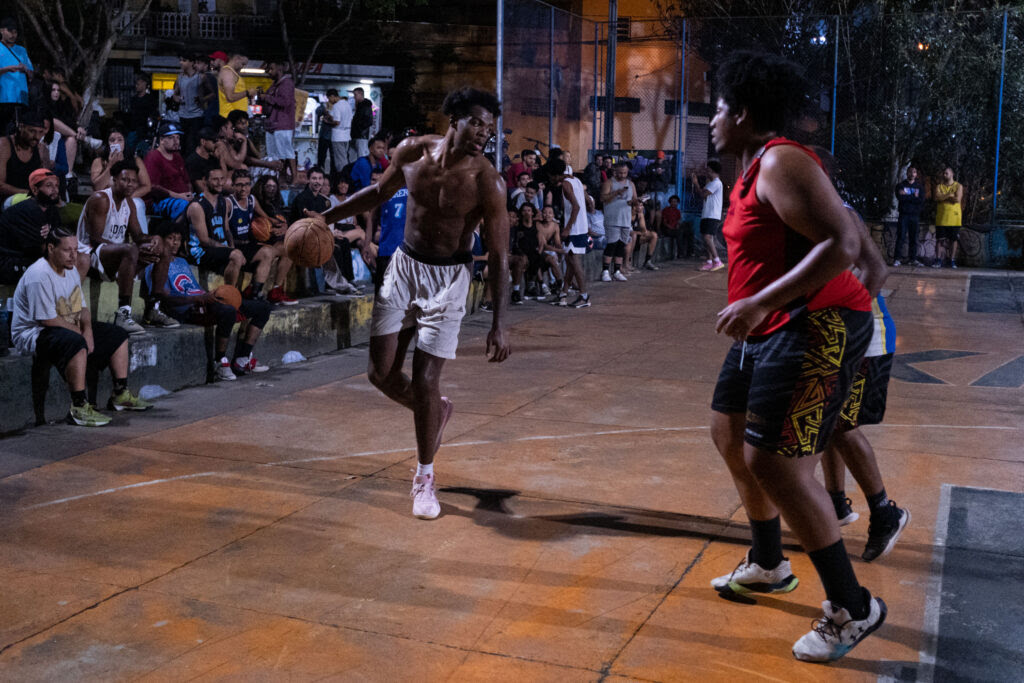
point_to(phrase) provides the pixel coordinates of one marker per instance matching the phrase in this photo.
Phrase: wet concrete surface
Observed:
(262, 529)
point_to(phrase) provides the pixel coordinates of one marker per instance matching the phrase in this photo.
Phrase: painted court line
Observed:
(933, 596)
(361, 454)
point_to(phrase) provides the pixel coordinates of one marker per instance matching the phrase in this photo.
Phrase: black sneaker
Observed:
(581, 302)
(517, 299)
(885, 528)
(844, 511)
(559, 300)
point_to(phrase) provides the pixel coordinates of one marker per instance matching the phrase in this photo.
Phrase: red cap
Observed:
(39, 175)
(661, 154)
(219, 54)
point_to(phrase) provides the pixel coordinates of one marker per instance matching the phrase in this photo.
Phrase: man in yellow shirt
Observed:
(948, 197)
(232, 93)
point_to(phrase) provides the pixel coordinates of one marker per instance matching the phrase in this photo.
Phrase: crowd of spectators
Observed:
(186, 184)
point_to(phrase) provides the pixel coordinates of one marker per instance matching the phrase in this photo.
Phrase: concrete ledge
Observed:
(182, 357)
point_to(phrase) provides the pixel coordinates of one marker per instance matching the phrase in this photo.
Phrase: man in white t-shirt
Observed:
(711, 216)
(51, 321)
(575, 233)
(341, 133)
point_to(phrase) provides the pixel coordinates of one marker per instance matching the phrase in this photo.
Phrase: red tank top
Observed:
(762, 249)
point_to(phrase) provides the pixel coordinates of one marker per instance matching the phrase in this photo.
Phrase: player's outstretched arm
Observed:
(492, 193)
(372, 196)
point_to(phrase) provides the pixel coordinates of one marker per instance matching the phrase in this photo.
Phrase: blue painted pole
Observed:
(499, 155)
(551, 82)
(683, 115)
(999, 123)
(597, 52)
(835, 88)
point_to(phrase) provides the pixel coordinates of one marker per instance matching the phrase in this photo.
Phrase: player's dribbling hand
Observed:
(498, 340)
(739, 318)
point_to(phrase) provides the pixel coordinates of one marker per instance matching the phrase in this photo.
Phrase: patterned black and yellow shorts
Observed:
(793, 382)
(868, 395)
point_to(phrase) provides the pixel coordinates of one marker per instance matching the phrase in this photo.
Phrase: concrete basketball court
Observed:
(261, 530)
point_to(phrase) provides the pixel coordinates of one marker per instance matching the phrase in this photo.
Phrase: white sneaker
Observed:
(836, 633)
(224, 371)
(123, 319)
(606, 276)
(750, 577)
(424, 498)
(248, 365)
(620, 277)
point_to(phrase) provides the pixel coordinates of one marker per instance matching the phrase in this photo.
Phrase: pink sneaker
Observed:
(718, 265)
(424, 498)
(447, 407)
(707, 266)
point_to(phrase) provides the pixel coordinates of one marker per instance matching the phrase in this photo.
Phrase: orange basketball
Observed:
(309, 243)
(228, 294)
(260, 228)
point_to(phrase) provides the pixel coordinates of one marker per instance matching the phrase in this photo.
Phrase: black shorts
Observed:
(378, 272)
(214, 259)
(947, 232)
(868, 395)
(58, 345)
(709, 226)
(249, 251)
(792, 383)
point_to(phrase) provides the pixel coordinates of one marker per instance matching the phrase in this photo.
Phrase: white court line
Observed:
(361, 454)
(933, 596)
(487, 442)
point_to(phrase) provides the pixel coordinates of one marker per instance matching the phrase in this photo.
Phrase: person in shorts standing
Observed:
(711, 215)
(949, 197)
(801, 322)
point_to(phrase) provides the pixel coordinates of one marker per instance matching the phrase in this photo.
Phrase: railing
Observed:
(211, 26)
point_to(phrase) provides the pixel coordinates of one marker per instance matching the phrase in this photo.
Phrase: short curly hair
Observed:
(459, 102)
(771, 88)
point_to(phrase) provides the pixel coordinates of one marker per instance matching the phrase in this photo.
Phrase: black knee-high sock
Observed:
(836, 574)
(766, 542)
(242, 350)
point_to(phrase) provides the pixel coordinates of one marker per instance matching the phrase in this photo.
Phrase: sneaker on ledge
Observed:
(123, 319)
(277, 296)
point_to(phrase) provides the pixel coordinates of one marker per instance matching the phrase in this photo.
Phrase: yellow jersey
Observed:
(947, 214)
(240, 105)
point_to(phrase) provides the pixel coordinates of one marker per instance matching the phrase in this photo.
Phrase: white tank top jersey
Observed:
(115, 229)
(618, 213)
(582, 225)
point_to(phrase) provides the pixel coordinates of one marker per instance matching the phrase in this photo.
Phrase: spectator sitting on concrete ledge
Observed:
(186, 300)
(24, 226)
(51, 322)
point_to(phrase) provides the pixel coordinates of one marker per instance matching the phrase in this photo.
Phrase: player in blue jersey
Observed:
(849, 448)
(185, 300)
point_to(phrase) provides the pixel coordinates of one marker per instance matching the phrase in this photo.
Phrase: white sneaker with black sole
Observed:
(836, 633)
(581, 302)
(750, 577)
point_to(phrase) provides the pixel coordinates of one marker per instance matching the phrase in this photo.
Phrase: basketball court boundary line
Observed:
(933, 594)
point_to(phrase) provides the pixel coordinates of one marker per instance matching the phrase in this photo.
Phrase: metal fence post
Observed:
(683, 116)
(499, 154)
(609, 90)
(551, 82)
(999, 123)
(597, 68)
(835, 88)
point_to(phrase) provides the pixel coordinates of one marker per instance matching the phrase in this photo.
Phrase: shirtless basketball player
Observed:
(452, 187)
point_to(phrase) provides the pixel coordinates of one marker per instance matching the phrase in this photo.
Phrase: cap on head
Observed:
(219, 54)
(168, 128)
(32, 117)
(39, 175)
(661, 154)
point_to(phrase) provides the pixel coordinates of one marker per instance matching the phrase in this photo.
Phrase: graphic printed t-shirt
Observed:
(180, 282)
(42, 294)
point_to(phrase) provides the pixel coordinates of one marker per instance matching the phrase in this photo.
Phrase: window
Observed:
(623, 29)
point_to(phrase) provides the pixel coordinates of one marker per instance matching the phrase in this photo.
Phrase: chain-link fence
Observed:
(886, 92)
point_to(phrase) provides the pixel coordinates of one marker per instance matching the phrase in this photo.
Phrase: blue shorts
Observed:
(579, 244)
